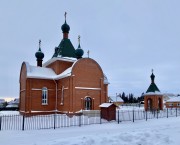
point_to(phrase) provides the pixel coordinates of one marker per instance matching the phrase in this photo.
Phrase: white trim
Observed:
(64, 89)
(23, 90)
(86, 88)
(34, 111)
(62, 96)
(44, 100)
(34, 89)
(22, 111)
(58, 58)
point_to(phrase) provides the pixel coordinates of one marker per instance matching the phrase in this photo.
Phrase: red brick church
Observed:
(66, 83)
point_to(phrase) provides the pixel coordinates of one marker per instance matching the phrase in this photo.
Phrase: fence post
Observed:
(55, 121)
(133, 115)
(176, 112)
(167, 112)
(100, 117)
(80, 120)
(146, 115)
(23, 123)
(157, 113)
(0, 121)
(118, 116)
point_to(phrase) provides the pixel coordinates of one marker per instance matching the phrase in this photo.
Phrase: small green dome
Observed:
(65, 28)
(39, 54)
(79, 52)
(152, 76)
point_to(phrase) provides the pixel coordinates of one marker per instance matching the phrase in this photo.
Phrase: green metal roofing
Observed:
(152, 87)
(65, 49)
(39, 54)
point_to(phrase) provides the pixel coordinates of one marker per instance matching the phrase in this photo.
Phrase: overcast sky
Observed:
(127, 38)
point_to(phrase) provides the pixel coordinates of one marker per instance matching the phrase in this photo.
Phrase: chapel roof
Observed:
(152, 88)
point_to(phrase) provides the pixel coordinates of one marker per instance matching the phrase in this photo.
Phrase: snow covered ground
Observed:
(163, 131)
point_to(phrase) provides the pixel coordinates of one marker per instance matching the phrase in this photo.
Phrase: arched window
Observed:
(88, 103)
(44, 96)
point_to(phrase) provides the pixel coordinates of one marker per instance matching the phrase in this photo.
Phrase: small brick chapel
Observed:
(66, 83)
(153, 98)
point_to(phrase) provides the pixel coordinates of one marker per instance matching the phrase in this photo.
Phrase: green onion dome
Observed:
(79, 52)
(65, 28)
(39, 54)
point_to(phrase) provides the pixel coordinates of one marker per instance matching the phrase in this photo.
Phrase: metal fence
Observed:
(132, 115)
(19, 122)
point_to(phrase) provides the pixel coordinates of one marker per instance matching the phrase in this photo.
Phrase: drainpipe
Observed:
(56, 96)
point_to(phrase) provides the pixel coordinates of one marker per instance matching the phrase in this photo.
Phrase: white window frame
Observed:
(44, 96)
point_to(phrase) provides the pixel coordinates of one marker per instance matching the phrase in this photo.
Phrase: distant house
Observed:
(13, 104)
(167, 96)
(116, 100)
(173, 102)
(2, 101)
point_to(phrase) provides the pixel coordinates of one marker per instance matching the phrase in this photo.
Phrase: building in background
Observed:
(117, 100)
(153, 98)
(173, 102)
(66, 83)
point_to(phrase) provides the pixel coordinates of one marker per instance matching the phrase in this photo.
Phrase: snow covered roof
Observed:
(174, 99)
(106, 80)
(40, 72)
(48, 73)
(64, 74)
(153, 93)
(45, 73)
(115, 99)
(2, 100)
(15, 101)
(68, 59)
(105, 105)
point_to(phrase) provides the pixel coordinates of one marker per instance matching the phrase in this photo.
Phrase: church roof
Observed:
(152, 88)
(68, 59)
(65, 49)
(48, 73)
(45, 73)
(106, 79)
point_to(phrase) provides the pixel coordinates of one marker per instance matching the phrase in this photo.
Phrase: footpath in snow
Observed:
(163, 131)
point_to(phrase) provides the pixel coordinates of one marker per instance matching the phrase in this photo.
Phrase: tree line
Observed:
(129, 98)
